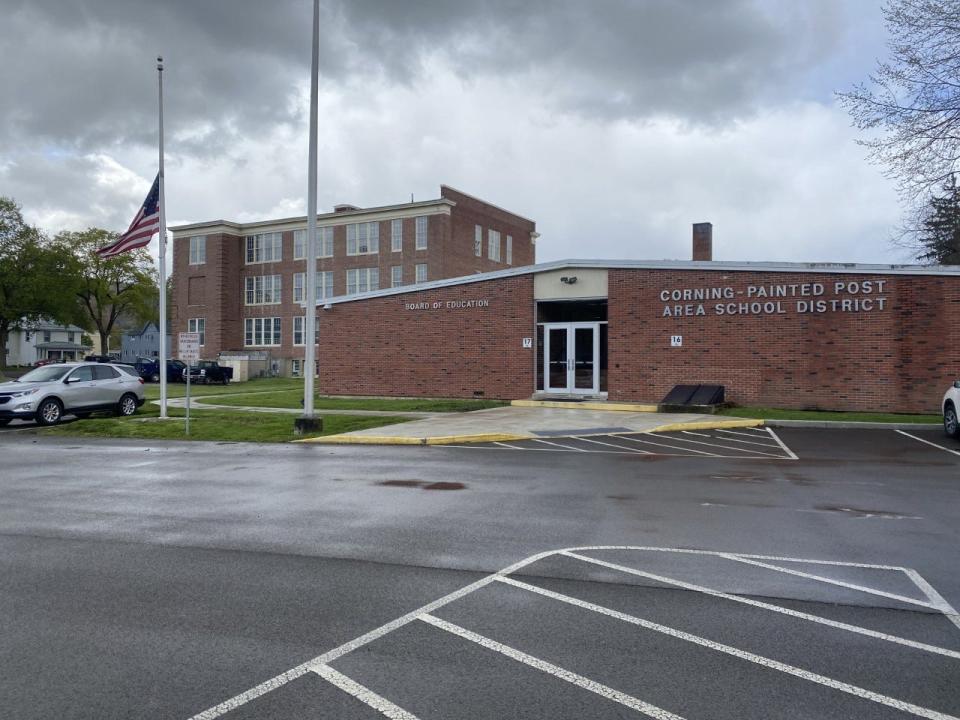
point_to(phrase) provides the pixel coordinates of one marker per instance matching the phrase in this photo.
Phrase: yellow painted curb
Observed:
(610, 407)
(707, 425)
(404, 440)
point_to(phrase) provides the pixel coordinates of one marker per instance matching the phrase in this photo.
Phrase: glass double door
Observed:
(571, 355)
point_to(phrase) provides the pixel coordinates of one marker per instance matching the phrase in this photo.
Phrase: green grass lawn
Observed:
(221, 425)
(293, 398)
(152, 390)
(774, 414)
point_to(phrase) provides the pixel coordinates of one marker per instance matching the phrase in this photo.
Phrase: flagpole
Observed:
(163, 259)
(310, 339)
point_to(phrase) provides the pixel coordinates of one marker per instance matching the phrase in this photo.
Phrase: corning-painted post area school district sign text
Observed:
(844, 296)
(448, 305)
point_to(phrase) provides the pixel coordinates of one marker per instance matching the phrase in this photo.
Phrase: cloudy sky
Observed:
(614, 124)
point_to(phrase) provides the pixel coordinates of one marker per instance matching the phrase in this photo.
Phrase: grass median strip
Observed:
(219, 425)
(820, 415)
(293, 399)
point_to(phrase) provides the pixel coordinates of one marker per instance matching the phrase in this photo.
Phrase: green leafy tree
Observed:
(939, 232)
(37, 277)
(110, 288)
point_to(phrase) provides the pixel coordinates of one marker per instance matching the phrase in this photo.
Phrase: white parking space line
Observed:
(782, 444)
(690, 432)
(507, 445)
(737, 653)
(672, 447)
(936, 598)
(927, 442)
(830, 581)
(618, 447)
(728, 447)
(363, 694)
(752, 441)
(565, 447)
(768, 606)
(558, 672)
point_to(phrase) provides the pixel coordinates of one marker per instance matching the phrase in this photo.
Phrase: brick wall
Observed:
(898, 359)
(380, 347)
(460, 259)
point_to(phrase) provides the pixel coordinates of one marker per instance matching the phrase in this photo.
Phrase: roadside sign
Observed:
(189, 345)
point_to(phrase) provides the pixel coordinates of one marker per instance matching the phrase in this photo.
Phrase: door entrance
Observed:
(571, 356)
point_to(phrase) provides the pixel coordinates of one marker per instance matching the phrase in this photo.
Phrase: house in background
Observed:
(144, 342)
(45, 340)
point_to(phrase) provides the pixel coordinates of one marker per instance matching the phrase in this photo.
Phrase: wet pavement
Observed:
(162, 580)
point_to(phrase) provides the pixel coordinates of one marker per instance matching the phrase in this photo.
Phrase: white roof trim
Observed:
(710, 266)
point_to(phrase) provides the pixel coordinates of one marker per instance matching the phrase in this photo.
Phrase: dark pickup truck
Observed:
(149, 370)
(209, 371)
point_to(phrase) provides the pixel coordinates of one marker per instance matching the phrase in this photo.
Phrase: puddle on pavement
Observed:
(423, 484)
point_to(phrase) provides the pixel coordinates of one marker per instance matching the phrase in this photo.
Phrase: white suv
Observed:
(47, 393)
(951, 406)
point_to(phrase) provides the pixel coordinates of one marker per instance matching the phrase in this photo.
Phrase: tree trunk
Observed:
(104, 343)
(4, 336)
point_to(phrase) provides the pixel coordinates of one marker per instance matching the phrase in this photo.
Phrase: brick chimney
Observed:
(703, 241)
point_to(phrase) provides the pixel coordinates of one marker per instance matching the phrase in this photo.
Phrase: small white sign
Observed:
(528, 342)
(676, 341)
(189, 346)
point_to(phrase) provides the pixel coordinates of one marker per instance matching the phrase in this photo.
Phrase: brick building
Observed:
(241, 285)
(796, 335)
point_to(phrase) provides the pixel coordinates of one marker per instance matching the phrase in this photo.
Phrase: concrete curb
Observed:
(709, 425)
(402, 440)
(847, 425)
(587, 405)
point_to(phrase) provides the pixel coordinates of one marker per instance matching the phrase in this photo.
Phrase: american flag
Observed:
(143, 227)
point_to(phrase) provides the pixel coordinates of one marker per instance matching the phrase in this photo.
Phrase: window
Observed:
(104, 372)
(263, 248)
(362, 280)
(198, 325)
(298, 329)
(363, 238)
(396, 236)
(259, 332)
(324, 285)
(509, 250)
(83, 373)
(296, 368)
(478, 240)
(262, 290)
(324, 243)
(46, 336)
(421, 272)
(396, 276)
(198, 250)
(71, 337)
(422, 233)
(493, 245)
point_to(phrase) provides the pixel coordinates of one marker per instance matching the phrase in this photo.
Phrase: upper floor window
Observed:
(299, 330)
(46, 336)
(198, 325)
(493, 245)
(422, 233)
(396, 276)
(198, 250)
(509, 249)
(363, 238)
(362, 280)
(396, 235)
(262, 290)
(324, 243)
(71, 337)
(263, 248)
(478, 240)
(421, 273)
(324, 285)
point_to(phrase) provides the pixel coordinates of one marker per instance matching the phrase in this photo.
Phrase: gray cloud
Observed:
(84, 77)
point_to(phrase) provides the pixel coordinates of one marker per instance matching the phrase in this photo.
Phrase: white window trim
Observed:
(192, 326)
(426, 271)
(276, 240)
(370, 239)
(493, 241)
(276, 288)
(509, 251)
(365, 273)
(478, 241)
(394, 282)
(324, 288)
(301, 320)
(324, 240)
(421, 236)
(262, 320)
(201, 246)
(396, 238)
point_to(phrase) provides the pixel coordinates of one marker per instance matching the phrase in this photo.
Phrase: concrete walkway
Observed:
(517, 423)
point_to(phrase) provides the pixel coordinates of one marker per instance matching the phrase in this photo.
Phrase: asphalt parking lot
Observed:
(191, 580)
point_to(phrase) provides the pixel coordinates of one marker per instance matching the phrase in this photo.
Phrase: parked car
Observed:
(149, 369)
(951, 406)
(45, 361)
(210, 371)
(46, 394)
(100, 358)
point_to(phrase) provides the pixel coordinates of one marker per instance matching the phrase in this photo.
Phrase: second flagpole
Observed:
(163, 259)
